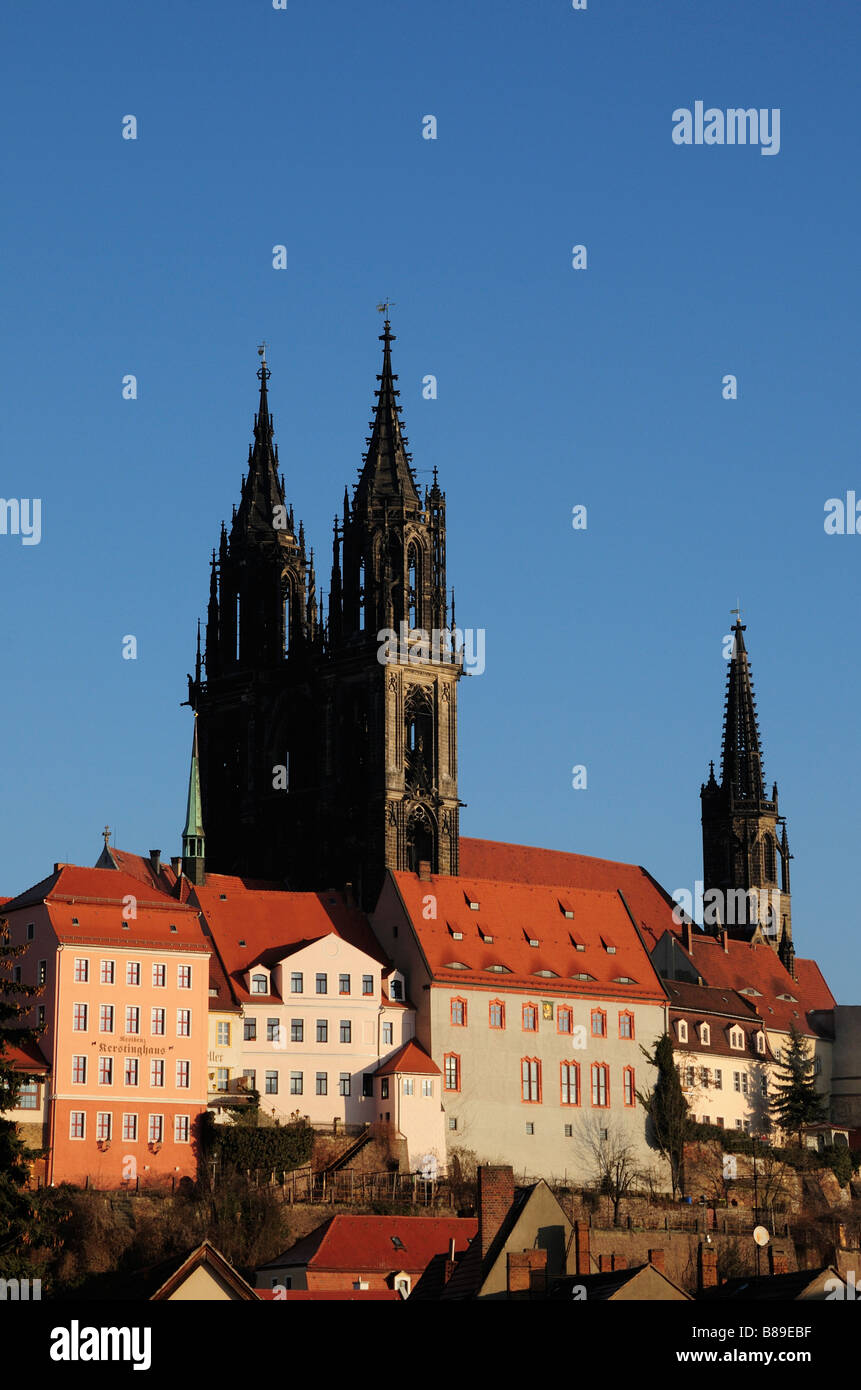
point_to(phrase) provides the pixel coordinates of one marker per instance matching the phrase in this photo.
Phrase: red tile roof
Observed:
(138, 867)
(89, 905)
(24, 1057)
(349, 1244)
(273, 923)
(410, 1059)
(511, 913)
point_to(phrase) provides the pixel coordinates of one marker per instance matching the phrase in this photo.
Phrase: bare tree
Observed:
(609, 1148)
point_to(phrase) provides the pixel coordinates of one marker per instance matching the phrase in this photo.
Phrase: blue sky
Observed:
(259, 127)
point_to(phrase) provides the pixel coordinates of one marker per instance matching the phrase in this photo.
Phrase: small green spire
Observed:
(193, 840)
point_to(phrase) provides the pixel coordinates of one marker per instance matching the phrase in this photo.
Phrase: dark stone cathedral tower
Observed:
(745, 844)
(328, 752)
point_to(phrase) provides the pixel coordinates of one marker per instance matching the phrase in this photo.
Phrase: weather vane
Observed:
(261, 351)
(385, 306)
(737, 611)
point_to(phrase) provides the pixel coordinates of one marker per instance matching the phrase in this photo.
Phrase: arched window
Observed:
(770, 857)
(415, 582)
(421, 840)
(419, 737)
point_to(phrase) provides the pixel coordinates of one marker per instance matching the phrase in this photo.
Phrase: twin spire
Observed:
(741, 756)
(386, 472)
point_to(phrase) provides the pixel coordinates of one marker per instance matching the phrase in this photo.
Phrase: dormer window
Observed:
(705, 1034)
(396, 989)
(682, 1030)
(259, 984)
(760, 1042)
(736, 1038)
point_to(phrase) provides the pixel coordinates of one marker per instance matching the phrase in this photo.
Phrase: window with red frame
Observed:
(530, 1080)
(458, 1012)
(497, 1013)
(600, 1085)
(530, 1018)
(570, 1083)
(628, 1086)
(626, 1024)
(564, 1019)
(452, 1071)
(599, 1023)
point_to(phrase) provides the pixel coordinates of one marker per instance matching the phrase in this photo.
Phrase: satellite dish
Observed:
(760, 1235)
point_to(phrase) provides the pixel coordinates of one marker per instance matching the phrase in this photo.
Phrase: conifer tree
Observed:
(795, 1102)
(667, 1108)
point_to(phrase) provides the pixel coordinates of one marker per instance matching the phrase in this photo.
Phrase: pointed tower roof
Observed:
(741, 756)
(386, 472)
(194, 810)
(261, 490)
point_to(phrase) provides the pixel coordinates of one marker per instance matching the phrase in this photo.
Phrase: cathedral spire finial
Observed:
(741, 757)
(386, 473)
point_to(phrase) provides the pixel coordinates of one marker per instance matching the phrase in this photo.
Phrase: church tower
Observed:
(745, 844)
(389, 690)
(262, 633)
(328, 749)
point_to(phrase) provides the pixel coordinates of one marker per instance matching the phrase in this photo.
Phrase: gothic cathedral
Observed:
(323, 758)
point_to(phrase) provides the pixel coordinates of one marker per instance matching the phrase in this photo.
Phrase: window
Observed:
(600, 1085)
(296, 982)
(690, 1077)
(106, 1071)
(180, 1129)
(626, 1024)
(133, 1018)
(343, 984)
(705, 1077)
(183, 1023)
(41, 1016)
(346, 1030)
(273, 1030)
(322, 1083)
(271, 1083)
(103, 1126)
(222, 1078)
(322, 1030)
(82, 970)
(156, 1128)
(79, 1018)
(157, 1022)
(452, 1122)
(458, 1012)
(705, 1034)
(569, 1131)
(344, 1083)
(599, 1023)
(570, 1083)
(452, 1071)
(323, 988)
(682, 1030)
(427, 1086)
(367, 984)
(28, 1096)
(159, 978)
(384, 1088)
(718, 1079)
(106, 1018)
(760, 1042)
(367, 1085)
(222, 1034)
(106, 972)
(183, 1074)
(297, 1030)
(79, 1071)
(763, 1084)
(31, 929)
(628, 1086)
(156, 1072)
(259, 984)
(497, 1013)
(530, 1018)
(249, 1076)
(77, 1124)
(736, 1038)
(249, 1030)
(564, 1019)
(396, 990)
(16, 974)
(530, 1128)
(408, 1086)
(183, 976)
(131, 1071)
(388, 1034)
(295, 1083)
(133, 972)
(130, 1129)
(530, 1080)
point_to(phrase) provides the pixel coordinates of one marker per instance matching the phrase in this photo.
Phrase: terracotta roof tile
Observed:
(368, 1243)
(410, 1059)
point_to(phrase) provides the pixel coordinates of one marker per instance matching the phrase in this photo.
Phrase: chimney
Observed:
(495, 1196)
(777, 1261)
(349, 895)
(527, 1273)
(687, 936)
(618, 1262)
(707, 1275)
(724, 940)
(424, 870)
(582, 1262)
(605, 1263)
(176, 864)
(155, 860)
(656, 1258)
